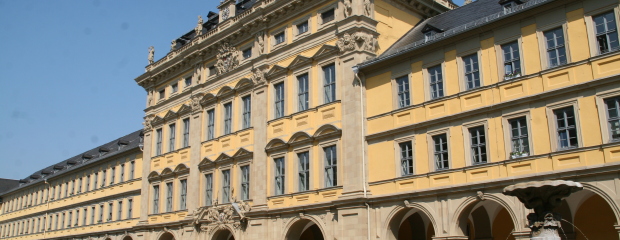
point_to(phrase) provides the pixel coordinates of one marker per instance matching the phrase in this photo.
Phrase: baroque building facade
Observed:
(356, 119)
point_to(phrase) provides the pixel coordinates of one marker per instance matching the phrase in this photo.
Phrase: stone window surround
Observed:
(305, 147)
(247, 161)
(185, 87)
(461, 68)
(172, 94)
(323, 143)
(602, 111)
(203, 186)
(272, 97)
(551, 121)
(242, 48)
(320, 12)
(431, 149)
(223, 102)
(296, 34)
(272, 37)
(298, 72)
(427, 79)
(594, 51)
(467, 140)
(206, 110)
(321, 78)
(177, 191)
(500, 56)
(542, 42)
(239, 112)
(507, 130)
(219, 184)
(397, 154)
(151, 195)
(397, 73)
(272, 168)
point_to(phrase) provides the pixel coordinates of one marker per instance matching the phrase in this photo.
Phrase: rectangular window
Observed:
(245, 182)
(329, 82)
(302, 27)
(436, 81)
(512, 60)
(155, 199)
(185, 132)
(406, 158)
(188, 81)
(79, 186)
(132, 168)
(100, 213)
(304, 171)
(472, 73)
(72, 189)
(66, 194)
(69, 220)
(556, 51)
(328, 16)
(162, 94)
(84, 217)
(172, 139)
(57, 221)
(404, 99)
(212, 71)
(129, 208)
(566, 128)
(174, 87)
(279, 38)
(279, 100)
(478, 145)
(112, 175)
(247, 53)
(302, 92)
(225, 186)
(519, 137)
(158, 142)
(279, 176)
(110, 210)
(440, 143)
(210, 124)
(227, 118)
(103, 178)
(62, 222)
(122, 173)
(613, 117)
(120, 210)
(606, 32)
(247, 111)
(183, 194)
(169, 191)
(208, 189)
(92, 215)
(96, 179)
(331, 166)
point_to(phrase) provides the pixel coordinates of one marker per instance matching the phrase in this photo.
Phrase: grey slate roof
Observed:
(6, 184)
(121, 145)
(453, 22)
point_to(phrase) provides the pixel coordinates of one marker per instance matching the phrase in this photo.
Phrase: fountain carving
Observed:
(543, 197)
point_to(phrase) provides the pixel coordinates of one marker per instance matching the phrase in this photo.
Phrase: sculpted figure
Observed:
(258, 76)
(151, 54)
(198, 28)
(367, 8)
(260, 42)
(346, 43)
(173, 45)
(347, 8)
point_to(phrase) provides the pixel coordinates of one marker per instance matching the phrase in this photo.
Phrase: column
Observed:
(146, 169)
(258, 170)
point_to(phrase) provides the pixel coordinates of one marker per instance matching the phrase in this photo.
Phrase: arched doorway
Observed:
(486, 220)
(127, 238)
(592, 217)
(305, 229)
(166, 236)
(410, 224)
(223, 234)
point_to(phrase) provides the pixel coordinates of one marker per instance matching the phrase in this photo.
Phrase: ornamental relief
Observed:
(210, 218)
(227, 58)
(360, 40)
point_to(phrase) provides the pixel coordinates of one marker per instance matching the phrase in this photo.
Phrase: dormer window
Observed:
(86, 157)
(122, 143)
(103, 151)
(508, 5)
(429, 32)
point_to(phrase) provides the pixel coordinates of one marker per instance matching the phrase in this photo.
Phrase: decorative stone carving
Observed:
(366, 42)
(225, 14)
(346, 43)
(367, 8)
(198, 28)
(173, 45)
(480, 195)
(147, 123)
(227, 58)
(217, 216)
(196, 103)
(151, 54)
(543, 197)
(348, 8)
(258, 76)
(149, 100)
(260, 42)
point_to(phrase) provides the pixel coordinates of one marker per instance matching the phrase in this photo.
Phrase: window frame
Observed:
(507, 128)
(208, 188)
(276, 100)
(321, 20)
(159, 135)
(244, 182)
(552, 123)
(307, 92)
(542, 43)
(503, 61)
(305, 19)
(246, 111)
(398, 160)
(398, 91)
(431, 148)
(334, 83)
(227, 117)
(186, 131)
(182, 194)
(429, 82)
(225, 185)
(210, 119)
(591, 28)
(321, 162)
(169, 196)
(274, 162)
(463, 71)
(467, 144)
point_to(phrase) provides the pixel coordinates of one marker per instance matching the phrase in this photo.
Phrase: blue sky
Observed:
(67, 70)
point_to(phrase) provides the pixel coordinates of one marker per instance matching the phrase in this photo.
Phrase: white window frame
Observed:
(552, 124)
(427, 80)
(591, 31)
(500, 57)
(461, 69)
(542, 43)
(507, 128)
(602, 112)
(321, 162)
(431, 149)
(398, 155)
(467, 141)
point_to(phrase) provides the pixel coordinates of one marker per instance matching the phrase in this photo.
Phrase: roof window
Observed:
(429, 32)
(508, 5)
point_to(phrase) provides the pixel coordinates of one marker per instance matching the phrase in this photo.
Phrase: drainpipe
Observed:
(356, 70)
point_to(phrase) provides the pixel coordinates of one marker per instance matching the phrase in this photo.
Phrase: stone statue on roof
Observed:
(198, 28)
(151, 54)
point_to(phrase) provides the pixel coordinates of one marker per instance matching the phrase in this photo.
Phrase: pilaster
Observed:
(193, 193)
(258, 176)
(146, 169)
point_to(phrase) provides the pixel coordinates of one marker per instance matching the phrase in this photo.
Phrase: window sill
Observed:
(315, 191)
(314, 109)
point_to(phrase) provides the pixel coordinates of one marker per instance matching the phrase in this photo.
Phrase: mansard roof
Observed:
(118, 146)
